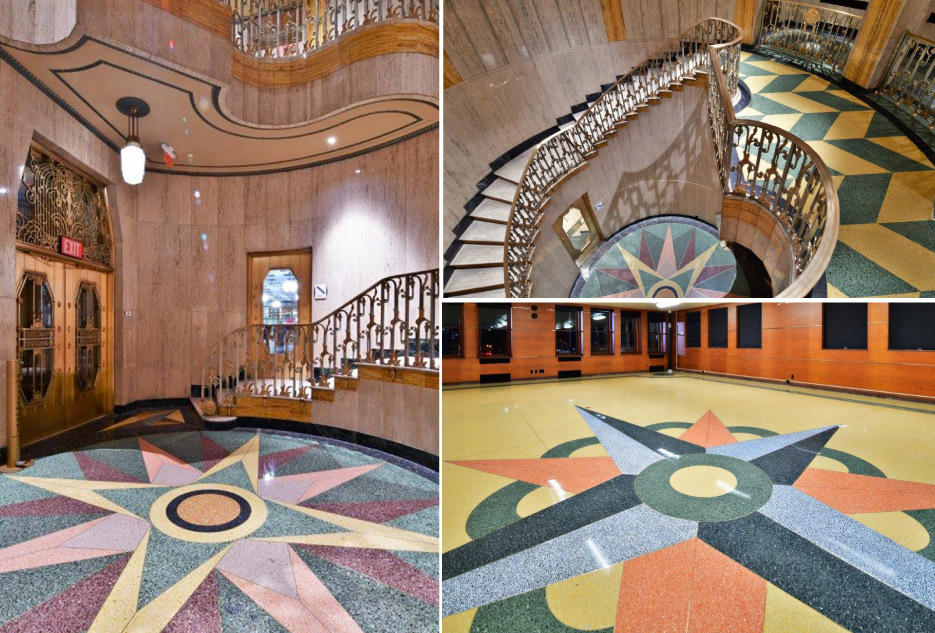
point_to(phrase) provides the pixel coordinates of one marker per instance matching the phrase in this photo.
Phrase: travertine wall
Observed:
(361, 227)
(662, 162)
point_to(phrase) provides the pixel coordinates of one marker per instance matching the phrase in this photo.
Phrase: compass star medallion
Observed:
(213, 532)
(701, 524)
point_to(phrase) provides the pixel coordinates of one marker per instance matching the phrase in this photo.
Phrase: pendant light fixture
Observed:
(132, 156)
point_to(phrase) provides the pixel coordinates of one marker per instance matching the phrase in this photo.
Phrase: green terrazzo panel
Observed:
(63, 466)
(921, 232)
(784, 83)
(13, 491)
(423, 561)
(813, 126)
(363, 489)
(881, 127)
(136, 500)
(878, 155)
(168, 560)
(20, 591)
(127, 460)
(861, 197)
(384, 609)
(283, 521)
(235, 475)
(855, 275)
(424, 522)
(769, 106)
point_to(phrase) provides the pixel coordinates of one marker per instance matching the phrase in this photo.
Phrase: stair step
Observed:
(498, 293)
(492, 211)
(468, 280)
(565, 126)
(479, 232)
(478, 256)
(501, 190)
(578, 115)
(513, 170)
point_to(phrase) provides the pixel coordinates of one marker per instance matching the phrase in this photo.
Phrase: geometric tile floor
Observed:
(219, 531)
(664, 257)
(170, 417)
(886, 186)
(690, 505)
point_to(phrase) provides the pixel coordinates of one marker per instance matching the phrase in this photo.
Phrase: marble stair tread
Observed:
(578, 115)
(501, 190)
(484, 232)
(492, 211)
(565, 126)
(478, 256)
(465, 280)
(513, 170)
(498, 293)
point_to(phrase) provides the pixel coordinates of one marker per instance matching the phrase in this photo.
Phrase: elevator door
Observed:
(63, 345)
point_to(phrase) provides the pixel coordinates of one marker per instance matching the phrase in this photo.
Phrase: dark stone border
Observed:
(172, 512)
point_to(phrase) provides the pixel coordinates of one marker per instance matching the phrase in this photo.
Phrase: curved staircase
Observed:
(474, 262)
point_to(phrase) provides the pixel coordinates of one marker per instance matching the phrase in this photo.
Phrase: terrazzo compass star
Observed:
(701, 524)
(215, 532)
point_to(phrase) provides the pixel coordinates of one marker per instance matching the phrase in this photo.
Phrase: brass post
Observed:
(12, 428)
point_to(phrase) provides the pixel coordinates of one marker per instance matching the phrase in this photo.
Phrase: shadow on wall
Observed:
(662, 163)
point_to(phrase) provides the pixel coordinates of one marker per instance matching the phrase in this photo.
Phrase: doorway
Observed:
(280, 287)
(64, 343)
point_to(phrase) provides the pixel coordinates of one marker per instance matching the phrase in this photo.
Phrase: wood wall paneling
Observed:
(875, 32)
(792, 350)
(613, 20)
(534, 348)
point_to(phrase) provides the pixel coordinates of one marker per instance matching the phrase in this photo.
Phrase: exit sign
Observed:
(72, 248)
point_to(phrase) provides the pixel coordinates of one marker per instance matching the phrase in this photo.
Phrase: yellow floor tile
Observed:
(906, 259)
(812, 84)
(785, 614)
(904, 147)
(777, 68)
(843, 161)
(797, 102)
(850, 125)
(783, 121)
(758, 82)
(459, 622)
(844, 94)
(834, 293)
(897, 526)
(587, 602)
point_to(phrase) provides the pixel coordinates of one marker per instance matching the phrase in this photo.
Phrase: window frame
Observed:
(610, 330)
(739, 326)
(866, 347)
(460, 329)
(889, 328)
(509, 328)
(577, 330)
(637, 318)
(583, 204)
(663, 338)
(726, 344)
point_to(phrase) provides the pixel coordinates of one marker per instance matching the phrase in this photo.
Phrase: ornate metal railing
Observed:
(777, 170)
(562, 154)
(292, 28)
(811, 34)
(910, 78)
(392, 323)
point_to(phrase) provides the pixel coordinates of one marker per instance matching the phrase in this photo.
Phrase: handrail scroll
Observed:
(757, 161)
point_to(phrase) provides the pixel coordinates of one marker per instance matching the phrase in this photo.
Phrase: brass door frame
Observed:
(61, 409)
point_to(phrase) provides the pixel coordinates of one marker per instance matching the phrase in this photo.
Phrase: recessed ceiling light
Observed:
(356, 171)
(4, 191)
(332, 140)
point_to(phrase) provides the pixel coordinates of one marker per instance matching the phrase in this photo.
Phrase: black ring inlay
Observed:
(172, 511)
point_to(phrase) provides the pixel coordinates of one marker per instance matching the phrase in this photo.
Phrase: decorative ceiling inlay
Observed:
(89, 77)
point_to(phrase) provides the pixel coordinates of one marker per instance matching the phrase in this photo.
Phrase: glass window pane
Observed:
(451, 315)
(451, 341)
(566, 319)
(280, 297)
(492, 317)
(494, 342)
(566, 342)
(88, 338)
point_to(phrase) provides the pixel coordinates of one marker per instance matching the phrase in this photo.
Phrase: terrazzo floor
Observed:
(663, 257)
(885, 184)
(685, 503)
(211, 532)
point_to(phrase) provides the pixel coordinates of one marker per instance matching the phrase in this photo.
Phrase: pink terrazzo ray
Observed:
(382, 566)
(95, 470)
(52, 506)
(200, 613)
(74, 609)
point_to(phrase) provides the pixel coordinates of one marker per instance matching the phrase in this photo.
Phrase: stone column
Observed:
(866, 60)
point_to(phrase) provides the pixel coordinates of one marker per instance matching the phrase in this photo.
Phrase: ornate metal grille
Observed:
(910, 80)
(815, 36)
(55, 201)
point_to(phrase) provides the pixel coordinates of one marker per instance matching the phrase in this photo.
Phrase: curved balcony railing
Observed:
(811, 34)
(393, 323)
(910, 78)
(780, 172)
(562, 154)
(293, 28)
